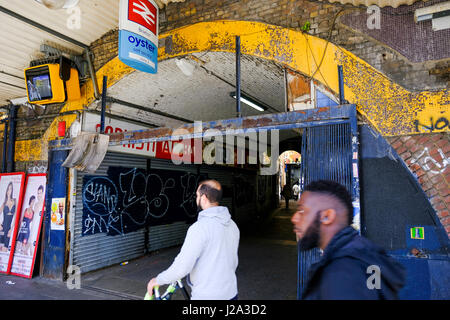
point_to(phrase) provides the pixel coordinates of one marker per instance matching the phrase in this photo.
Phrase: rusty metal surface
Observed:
(87, 152)
(284, 120)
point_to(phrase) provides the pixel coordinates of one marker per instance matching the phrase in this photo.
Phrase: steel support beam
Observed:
(146, 109)
(277, 121)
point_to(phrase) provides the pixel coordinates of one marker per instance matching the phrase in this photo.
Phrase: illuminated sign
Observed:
(44, 84)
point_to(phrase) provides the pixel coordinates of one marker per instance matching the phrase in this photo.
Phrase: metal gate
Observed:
(326, 154)
(164, 236)
(100, 250)
(343, 143)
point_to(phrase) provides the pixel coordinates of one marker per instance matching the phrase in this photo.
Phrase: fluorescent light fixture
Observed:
(250, 102)
(432, 12)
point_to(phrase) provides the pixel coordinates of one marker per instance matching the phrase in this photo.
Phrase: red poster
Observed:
(143, 12)
(181, 150)
(29, 229)
(11, 192)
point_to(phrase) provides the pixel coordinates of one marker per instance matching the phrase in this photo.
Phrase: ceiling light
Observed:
(185, 67)
(251, 102)
(59, 4)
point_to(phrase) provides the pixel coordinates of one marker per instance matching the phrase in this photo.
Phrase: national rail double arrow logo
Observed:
(143, 12)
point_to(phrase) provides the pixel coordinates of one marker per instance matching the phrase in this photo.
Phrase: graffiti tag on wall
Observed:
(127, 200)
(428, 163)
(440, 124)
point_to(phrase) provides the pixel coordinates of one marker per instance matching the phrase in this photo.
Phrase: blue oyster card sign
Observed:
(138, 34)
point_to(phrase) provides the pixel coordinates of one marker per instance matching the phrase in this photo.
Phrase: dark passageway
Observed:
(267, 264)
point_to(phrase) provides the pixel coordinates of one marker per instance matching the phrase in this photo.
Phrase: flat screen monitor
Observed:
(39, 87)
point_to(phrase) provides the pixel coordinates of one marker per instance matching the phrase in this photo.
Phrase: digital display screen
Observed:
(39, 87)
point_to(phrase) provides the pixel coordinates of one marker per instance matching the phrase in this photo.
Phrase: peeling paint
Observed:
(391, 109)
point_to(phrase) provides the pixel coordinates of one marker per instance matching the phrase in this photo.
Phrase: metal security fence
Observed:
(327, 155)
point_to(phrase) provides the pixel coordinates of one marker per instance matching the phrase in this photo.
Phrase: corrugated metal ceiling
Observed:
(203, 96)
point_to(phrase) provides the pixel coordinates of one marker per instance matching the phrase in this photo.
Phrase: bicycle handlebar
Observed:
(169, 292)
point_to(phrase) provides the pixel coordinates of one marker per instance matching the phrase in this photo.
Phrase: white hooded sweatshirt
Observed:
(209, 255)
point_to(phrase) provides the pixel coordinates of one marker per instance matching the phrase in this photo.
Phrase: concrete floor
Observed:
(267, 264)
(267, 270)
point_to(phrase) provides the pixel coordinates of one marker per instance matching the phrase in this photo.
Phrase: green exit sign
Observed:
(417, 233)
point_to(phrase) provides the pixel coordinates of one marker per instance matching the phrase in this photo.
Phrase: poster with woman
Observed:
(11, 191)
(29, 226)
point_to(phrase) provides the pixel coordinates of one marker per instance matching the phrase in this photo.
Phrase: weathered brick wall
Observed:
(31, 166)
(30, 127)
(294, 14)
(34, 121)
(105, 48)
(428, 158)
(427, 155)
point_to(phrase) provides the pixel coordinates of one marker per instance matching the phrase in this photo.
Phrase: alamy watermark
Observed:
(374, 19)
(374, 280)
(74, 277)
(73, 22)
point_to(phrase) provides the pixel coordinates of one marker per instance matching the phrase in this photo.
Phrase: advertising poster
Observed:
(30, 222)
(11, 190)
(57, 215)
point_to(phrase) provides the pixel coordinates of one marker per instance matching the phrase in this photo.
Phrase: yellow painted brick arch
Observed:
(390, 108)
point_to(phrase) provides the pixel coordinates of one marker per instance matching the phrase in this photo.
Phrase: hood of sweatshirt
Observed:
(219, 213)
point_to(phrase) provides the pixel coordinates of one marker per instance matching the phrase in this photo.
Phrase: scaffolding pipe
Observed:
(238, 76)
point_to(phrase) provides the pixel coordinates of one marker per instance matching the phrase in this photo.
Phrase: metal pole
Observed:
(12, 139)
(341, 86)
(5, 140)
(92, 73)
(286, 93)
(102, 116)
(147, 109)
(238, 76)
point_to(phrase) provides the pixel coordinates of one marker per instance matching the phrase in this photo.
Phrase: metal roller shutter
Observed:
(246, 212)
(167, 235)
(97, 251)
(100, 250)
(225, 177)
(173, 234)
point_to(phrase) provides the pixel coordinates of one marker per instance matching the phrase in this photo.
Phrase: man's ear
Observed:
(328, 216)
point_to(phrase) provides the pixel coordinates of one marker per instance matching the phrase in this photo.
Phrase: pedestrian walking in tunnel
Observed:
(287, 193)
(351, 267)
(209, 255)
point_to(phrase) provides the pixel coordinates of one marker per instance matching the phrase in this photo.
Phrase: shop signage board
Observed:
(160, 149)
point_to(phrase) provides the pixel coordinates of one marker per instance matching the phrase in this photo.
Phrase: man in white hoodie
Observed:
(209, 255)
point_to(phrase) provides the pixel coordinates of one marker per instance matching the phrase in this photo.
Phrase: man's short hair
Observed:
(214, 195)
(337, 191)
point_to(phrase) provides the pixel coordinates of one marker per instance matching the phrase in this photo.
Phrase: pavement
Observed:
(267, 270)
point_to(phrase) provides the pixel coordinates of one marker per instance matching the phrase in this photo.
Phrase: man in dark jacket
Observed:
(351, 267)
